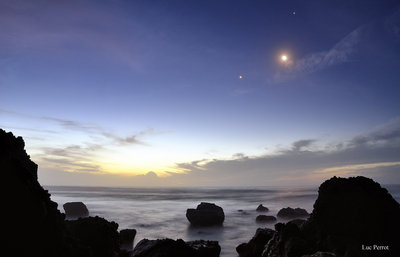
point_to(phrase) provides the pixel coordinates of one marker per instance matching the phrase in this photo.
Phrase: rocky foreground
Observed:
(351, 218)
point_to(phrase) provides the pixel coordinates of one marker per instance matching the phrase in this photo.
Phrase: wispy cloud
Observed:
(392, 24)
(371, 152)
(345, 50)
(341, 52)
(70, 145)
(374, 154)
(73, 158)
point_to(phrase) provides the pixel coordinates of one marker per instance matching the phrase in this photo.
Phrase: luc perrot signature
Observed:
(375, 247)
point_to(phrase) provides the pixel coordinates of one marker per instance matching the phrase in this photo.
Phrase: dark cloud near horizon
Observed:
(379, 146)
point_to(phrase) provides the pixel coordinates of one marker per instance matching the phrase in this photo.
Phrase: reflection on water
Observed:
(160, 212)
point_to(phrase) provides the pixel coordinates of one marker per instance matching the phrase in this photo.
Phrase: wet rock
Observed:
(96, 233)
(288, 241)
(176, 248)
(265, 219)
(206, 214)
(262, 208)
(256, 245)
(290, 213)
(75, 210)
(205, 248)
(126, 237)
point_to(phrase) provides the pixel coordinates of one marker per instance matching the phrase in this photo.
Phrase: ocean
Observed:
(161, 212)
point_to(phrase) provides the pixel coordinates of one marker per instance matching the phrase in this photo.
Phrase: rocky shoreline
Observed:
(40, 229)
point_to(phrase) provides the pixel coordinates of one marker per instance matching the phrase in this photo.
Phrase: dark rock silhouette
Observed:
(176, 248)
(75, 210)
(29, 213)
(288, 241)
(321, 254)
(298, 222)
(265, 218)
(205, 248)
(256, 245)
(262, 208)
(206, 214)
(290, 213)
(126, 236)
(34, 226)
(97, 234)
(348, 213)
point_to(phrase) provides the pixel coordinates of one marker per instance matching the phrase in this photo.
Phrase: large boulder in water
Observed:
(290, 213)
(175, 248)
(256, 245)
(206, 214)
(348, 213)
(75, 210)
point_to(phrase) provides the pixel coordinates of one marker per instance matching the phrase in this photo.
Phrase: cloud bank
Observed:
(375, 154)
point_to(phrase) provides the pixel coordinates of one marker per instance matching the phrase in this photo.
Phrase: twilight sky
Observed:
(195, 93)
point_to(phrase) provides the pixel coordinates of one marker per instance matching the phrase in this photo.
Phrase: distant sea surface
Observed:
(161, 212)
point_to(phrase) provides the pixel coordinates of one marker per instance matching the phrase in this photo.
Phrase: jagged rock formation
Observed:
(348, 215)
(34, 226)
(176, 248)
(256, 245)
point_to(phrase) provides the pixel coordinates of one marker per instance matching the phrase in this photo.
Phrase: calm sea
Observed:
(160, 212)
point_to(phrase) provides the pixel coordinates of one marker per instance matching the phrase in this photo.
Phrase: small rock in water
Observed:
(292, 213)
(75, 210)
(265, 218)
(262, 208)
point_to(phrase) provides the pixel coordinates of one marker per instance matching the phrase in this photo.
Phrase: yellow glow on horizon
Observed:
(354, 167)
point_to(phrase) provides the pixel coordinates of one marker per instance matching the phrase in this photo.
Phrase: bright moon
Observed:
(284, 58)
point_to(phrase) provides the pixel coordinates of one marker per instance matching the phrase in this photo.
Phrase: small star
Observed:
(240, 76)
(294, 12)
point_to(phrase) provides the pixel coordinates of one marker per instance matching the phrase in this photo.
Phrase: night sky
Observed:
(198, 93)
